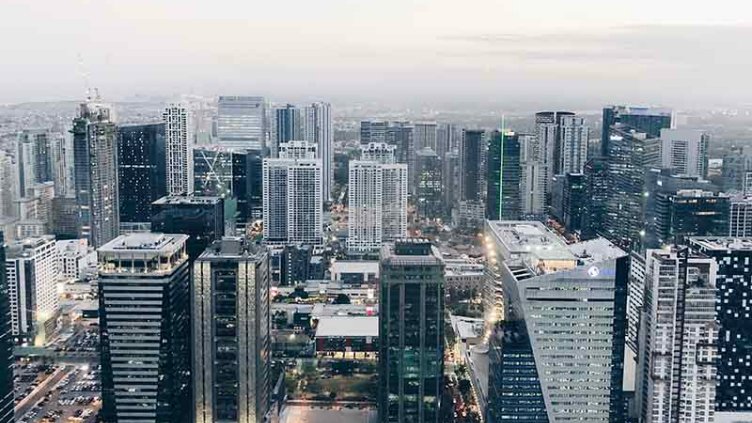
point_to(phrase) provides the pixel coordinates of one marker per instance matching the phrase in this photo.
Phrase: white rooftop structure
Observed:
(348, 326)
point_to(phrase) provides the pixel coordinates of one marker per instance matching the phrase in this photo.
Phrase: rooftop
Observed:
(530, 238)
(146, 242)
(348, 326)
(187, 199)
(595, 251)
(722, 243)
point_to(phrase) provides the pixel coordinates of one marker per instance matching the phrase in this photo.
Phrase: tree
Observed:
(342, 299)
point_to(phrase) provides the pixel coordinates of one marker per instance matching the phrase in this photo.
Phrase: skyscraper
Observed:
(596, 180)
(373, 131)
(503, 197)
(179, 140)
(96, 176)
(32, 274)
(288, 124)
(532, 178)
(144, 324)
(733, 387)
(558, 320)
(318, 129)
(394, 201)
(201, 218)
(472, 155)
(365, 199)
(231, 333)
(411, 334)
(568, 201)
(33, 158)
(292, 196)
(736, 172)
(678, 336)
(573, 145)
(142, 170)
(685, 151)
(648, 120)
(241, 122)
(740, 217)
(428, 191)
(6, 345)
(424, 135)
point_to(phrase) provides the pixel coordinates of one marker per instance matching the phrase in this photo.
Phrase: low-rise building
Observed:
(351, 337)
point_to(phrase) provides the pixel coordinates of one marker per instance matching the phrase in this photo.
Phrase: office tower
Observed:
(648, 120)
(401, 134)
(95, 167)
(447, 138)
(678, 335)
(292, 197)
(733, 386)
(33, 158)
(61, 162)
(288, 124)
(6, 344)
(678, 206)
(373, 131)
(35, 210)
(64, 223)
(201, 218)
(685, 151)
(411, 334)
(635, 297)
(425, 135)
(178, 141)
(596, 180)
(234, 175)
(428, 191)
(630, 155)
(142, 171)
(450, 179)
(365, 199)
(532, 178)
(8, 186)
(241, 122)
(503, 197)
(736, 172)
(740, 216)
(472, 159)
(318, 129)
(144, 325)
(32, 272)
(568, 200)
(231, 333)
(556, 348)
(379, 152)
(294, 264)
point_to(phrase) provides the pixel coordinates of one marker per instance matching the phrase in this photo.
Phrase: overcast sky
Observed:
(674, 52)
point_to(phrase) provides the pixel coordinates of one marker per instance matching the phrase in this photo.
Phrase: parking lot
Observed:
(75, 397)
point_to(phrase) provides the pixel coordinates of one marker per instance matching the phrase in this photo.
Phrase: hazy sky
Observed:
(682, 52)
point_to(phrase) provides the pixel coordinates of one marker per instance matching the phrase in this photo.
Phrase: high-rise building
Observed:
(678, 206)
(472, 169)
(447, 138)
(231, 333)
(178, 142)
(736, 171)
(201, 218)
(678, 338)
(61, 162)
(597, 194)
(32, 271)
(96, 177)
(241, 122)
(401, 134)
(532, 178)
(428, 192)
(318, 129)
(33, 158)
(733, 386)
(8, 187)
(450, 179)
(379, 152)
(558, 320)
(631, 154)
(685, 151)
(424, 135)
(288, 124)
(648, 120)
(740, 217)
(232, 174)
(365, 199)
(292, 197)
(568, 201)
(503, 197)
(373, 131)
(394, 201)
(411, 334)
(144, 324)
(563, 139)
(6, 345)
(142, 175)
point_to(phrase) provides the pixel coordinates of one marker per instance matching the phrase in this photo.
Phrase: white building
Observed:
(318, 129)
(533, 176)
(740, 217)
(75, 259)
(32, 270)
(676, 378)
(573, 144)
(379, 152)
(241, 122)
(685, 151)
(178, 140)
(292, 199)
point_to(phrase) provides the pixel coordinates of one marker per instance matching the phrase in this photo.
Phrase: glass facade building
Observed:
(411, 333)
(201, 218)
(142, 171)
(503, 198)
